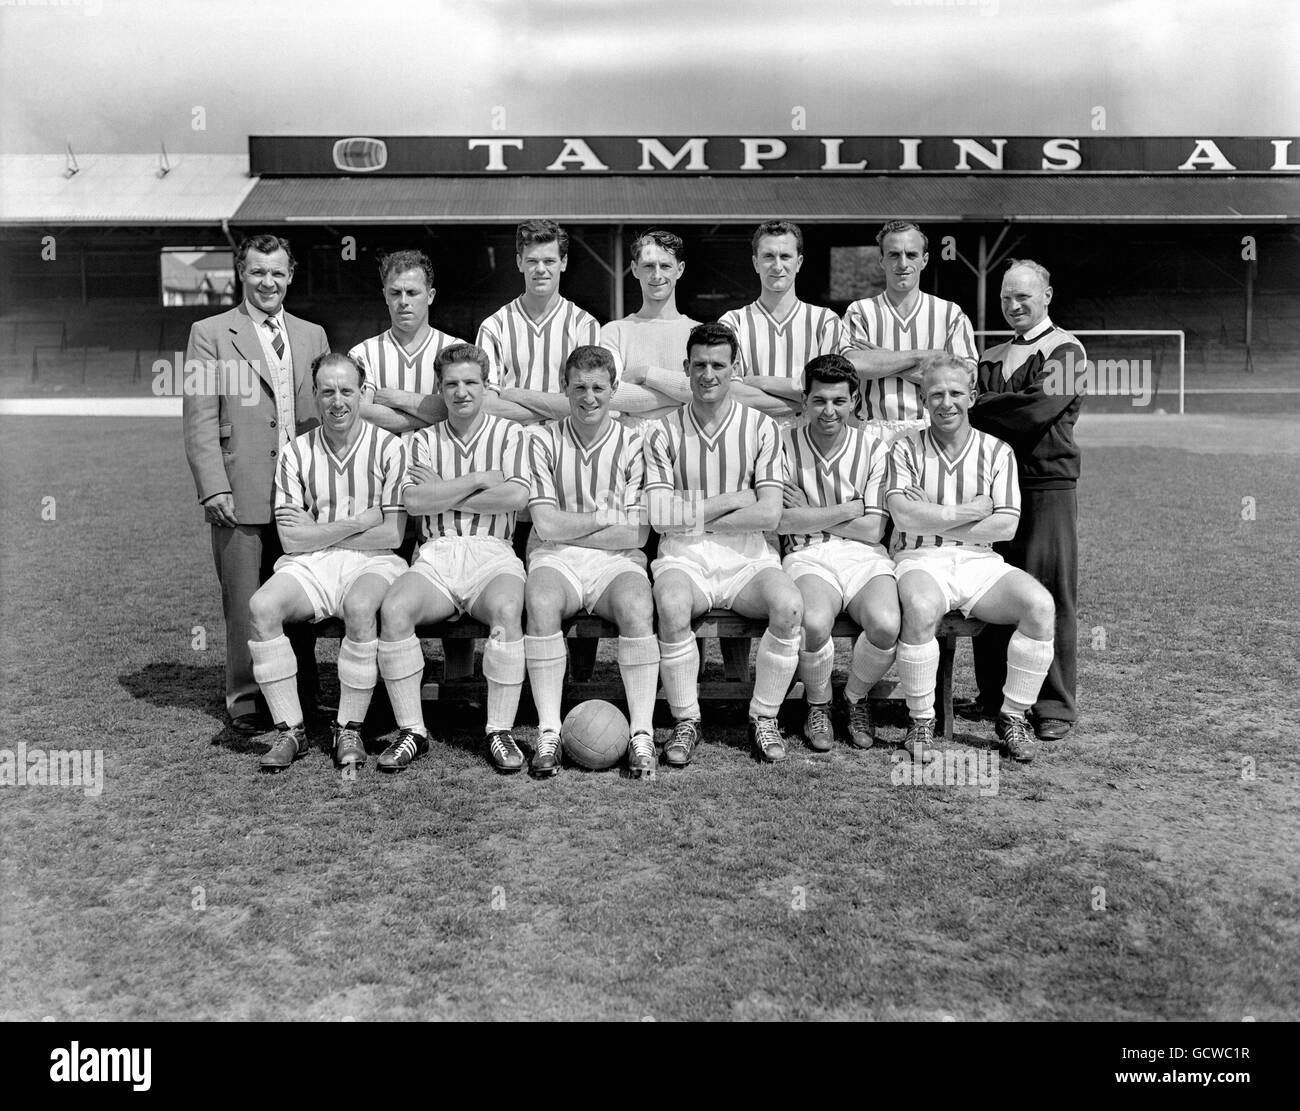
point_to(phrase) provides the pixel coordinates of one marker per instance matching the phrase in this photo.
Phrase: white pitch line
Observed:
(91, 406)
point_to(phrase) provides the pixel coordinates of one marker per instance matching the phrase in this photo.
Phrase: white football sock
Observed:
(815, 670)
(774, 668)
(918, 669)
(503, 668)
(358, 674)
(275, 668)
(546, 658)
(869, 666)
(679, 668)
(638, 663)
(1028, 661)
(401, 663)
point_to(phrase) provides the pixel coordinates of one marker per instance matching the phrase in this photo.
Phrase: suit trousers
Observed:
(245, 557)
(1047, 546)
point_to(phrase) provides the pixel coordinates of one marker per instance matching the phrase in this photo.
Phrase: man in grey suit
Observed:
(256, 398)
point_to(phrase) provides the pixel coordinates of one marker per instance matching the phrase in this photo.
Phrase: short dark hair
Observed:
(831, 369)
(531, 232)
(590, 357)
(398, 262)
(335, 357)
(461, 353)
(671, 243)
(894, 227)
(777, 227)
(713, 335)
(265, 244)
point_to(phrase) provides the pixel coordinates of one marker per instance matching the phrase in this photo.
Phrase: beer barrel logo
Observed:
(360, 156)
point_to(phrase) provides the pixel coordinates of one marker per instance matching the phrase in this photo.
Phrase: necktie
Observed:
(277, 340)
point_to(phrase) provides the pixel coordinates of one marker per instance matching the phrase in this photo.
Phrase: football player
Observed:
(888, 336)
(953, 493)
(589, 527)
(528, 339)
(339, 517)
(714, 479)
(833, 521)
(779, 333)
(467, 479)
(649, 342)
(399, 362)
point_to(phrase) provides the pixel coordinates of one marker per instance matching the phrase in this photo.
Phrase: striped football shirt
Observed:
(782, 348)
(857, 468)
(743, 453)
(495, 444)
(389, 365)
(933, 324)
(529, 354)
(984, 465)
(331, 487)
(577, 478)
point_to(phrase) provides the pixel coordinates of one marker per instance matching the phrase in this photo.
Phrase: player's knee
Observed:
(395, 613)
(1040, 615)
(635, 614)
(882, 627)
(264, 614)
(508, 615)
(785, 615)
(544, 611)
(673, 607)
(817, 625)
(358, 612)
(921, 613)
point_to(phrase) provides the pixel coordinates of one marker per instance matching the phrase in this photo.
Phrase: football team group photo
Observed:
(556, 511)
(770, 491)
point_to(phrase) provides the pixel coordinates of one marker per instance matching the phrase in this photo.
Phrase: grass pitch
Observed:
(1147, 867)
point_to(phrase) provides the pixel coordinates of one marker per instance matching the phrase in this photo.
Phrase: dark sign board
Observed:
(303, 155)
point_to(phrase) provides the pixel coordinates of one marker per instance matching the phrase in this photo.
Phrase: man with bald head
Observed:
(1026, 397)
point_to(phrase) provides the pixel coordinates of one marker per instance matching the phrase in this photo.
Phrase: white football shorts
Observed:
(327, 576)
(461, 567)
(588, 570)
(964, 575)
(721, 566)
(847, 565)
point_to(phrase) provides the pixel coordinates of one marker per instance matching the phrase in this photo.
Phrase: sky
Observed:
(119, 76)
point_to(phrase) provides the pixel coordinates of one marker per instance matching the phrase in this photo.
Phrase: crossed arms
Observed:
(481, 492)
(372, 529)
(976, 520)
(849, 519)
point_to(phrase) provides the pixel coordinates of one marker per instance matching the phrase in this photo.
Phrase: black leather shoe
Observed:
(1052, 729)
(250, 725)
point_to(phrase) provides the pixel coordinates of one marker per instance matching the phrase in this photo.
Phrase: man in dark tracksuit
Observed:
(1027, 397)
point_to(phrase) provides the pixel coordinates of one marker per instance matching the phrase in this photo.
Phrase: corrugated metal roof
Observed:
(984, 198)
(122, 189)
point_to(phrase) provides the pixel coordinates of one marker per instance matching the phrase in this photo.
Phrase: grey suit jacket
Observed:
(231, 438)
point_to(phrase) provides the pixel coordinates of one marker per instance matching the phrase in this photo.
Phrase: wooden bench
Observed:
(584, 631)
